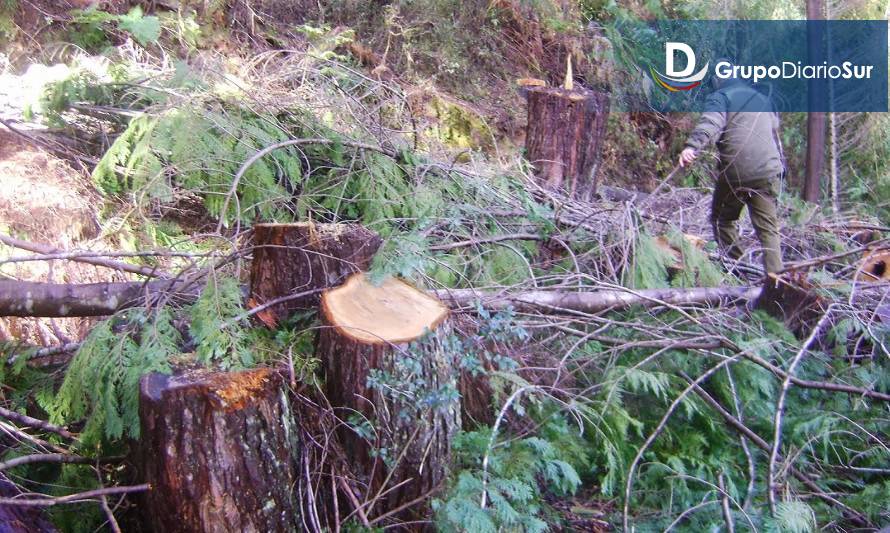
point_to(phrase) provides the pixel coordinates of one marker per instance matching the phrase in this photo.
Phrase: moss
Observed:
(456, 125)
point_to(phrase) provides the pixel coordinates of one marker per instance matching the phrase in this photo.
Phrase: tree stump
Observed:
(290, 259)
(792, 299)
(563, 137)
(20, 518)
(217, 450)
(390, 374)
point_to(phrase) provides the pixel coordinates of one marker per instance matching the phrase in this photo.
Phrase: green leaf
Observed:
(146, 30)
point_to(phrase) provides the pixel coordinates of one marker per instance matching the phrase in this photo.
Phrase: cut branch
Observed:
(65, 254)
(73, 498)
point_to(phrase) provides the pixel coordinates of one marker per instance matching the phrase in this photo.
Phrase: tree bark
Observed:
(792, 299)
(20, 519)
(563, 137)
(561, 302)
(30, 298)
(94, 299)
(815, 164)
(217, 450)
(384, 374)
(299, 258)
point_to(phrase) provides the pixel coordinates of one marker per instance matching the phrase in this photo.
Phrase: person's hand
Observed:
(687, 156)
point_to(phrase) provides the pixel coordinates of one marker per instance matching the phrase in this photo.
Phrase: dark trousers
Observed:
(760, 197)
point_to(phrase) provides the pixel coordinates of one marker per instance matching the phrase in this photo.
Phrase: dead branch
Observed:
(44, 458)
(79, 497)
(98, 261)
(28, 298)
(556, 302)
(763, 445)
(780, 408)
(26, 420)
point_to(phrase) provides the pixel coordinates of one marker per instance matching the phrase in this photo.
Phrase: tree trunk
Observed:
(18, 518)
(563, 137)
(59, 299)
(815, 120)
(32, 298)
(300, 258)
(218, 451)
(792, 299)
(401, 394)
(567, 302)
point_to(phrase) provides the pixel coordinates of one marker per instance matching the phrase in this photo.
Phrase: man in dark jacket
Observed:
(741, 121)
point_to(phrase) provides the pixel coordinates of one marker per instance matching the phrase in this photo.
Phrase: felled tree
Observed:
(294, 259)
(389, 372)
(217, 451)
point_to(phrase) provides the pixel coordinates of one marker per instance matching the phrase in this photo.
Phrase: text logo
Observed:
(678, 80)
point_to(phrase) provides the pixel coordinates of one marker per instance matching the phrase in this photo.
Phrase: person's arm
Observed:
(709, 127)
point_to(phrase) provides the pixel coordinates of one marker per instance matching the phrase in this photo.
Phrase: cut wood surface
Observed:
(405, 392)
(391, 313)
(217, 449)
(305, 257)
(875, 266)
(563, 138)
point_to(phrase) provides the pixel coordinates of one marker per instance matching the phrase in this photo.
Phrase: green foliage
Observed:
(520, 471)
(794, 516)
(102, 382)
(84, 517)
(697, 268)
(218, 340)
(649, 263)
(191, 150)
(89, 27)
(8, 28)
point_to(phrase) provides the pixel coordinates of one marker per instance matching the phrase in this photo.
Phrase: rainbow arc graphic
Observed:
(674, 84)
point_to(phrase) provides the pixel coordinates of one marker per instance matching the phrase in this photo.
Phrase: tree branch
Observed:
(98, 261)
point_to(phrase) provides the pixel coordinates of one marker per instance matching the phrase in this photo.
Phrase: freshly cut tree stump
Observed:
(217, 450)
(875, 266)
(563, 137)
(792, 299)
(290, 259)
(388, 368)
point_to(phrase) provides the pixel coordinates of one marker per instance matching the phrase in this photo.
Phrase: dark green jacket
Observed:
(742, 123)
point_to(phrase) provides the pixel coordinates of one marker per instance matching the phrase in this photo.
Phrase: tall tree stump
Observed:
(390, 374)
(217, 450)
(563, 137)
(290, 259)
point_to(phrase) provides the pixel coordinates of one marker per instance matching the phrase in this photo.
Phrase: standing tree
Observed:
(815, 120)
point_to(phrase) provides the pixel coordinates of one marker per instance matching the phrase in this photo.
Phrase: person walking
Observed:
(743, 124)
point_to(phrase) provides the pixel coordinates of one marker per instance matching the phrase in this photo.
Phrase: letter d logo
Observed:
(678, 80)
(671, 49)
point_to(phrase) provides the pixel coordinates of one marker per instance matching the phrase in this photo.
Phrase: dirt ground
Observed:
(44, 200)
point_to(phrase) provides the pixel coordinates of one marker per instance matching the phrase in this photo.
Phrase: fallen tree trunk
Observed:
(217, 450)
(31, 298)
(20, 298)
(299, 258)
(556, 302)
(388, 371)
